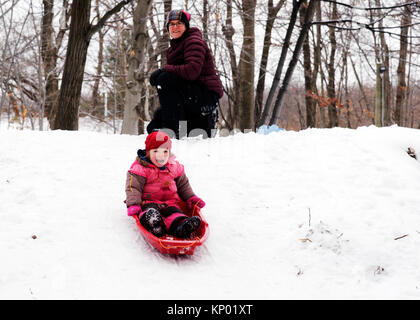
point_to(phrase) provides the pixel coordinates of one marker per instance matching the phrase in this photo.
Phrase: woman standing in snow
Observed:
(155, 185)
(188, 87)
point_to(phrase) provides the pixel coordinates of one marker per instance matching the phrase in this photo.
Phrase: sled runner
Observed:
(169, 244)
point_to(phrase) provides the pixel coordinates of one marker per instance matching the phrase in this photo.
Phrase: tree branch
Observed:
(95, 28)
(372, 8)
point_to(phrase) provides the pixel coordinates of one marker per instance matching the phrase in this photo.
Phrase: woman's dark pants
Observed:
(186, 107)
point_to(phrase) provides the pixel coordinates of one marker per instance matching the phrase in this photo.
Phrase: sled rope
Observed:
(195, 207)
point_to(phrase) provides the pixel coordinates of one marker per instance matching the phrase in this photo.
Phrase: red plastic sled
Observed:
(172, 245)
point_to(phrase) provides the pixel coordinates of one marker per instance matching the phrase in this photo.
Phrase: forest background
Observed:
(296, 64)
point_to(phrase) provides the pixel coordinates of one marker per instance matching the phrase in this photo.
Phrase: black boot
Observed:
(186, 227)
(153, 222)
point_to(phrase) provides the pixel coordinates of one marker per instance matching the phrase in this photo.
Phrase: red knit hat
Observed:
(158, 139)
(180, 15)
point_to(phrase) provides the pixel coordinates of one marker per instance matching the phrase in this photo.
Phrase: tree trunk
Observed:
(163, 42)
(346, 85)
(68, 102)
(259, 94)
(205, 20)
(402, 85)
(246, 68)
(309, 101)
(49, 59)
(387, 105)
(284, 50)
(332, 109)
(317, 64)
(228, 32)
(81, 32)
(408, 92)
(293, 62)
(362, 90)
(96, 96)
(136, 76)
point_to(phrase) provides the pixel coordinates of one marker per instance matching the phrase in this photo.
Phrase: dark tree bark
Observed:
(332, 109)
(309, 101)
(294, 60)
(49, 54)
(81, 32)
(259, 93)
(282, 60)
(228, 32)
(246, 68)
(68, 106)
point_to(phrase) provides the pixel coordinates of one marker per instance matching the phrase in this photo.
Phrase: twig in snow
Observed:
(379, 270)
(397, 238)
(309, 216)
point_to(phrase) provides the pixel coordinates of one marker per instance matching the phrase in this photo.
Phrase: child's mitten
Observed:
(195, 201)
(133, 210)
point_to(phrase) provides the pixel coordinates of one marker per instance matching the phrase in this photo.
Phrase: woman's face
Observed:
(176, 28)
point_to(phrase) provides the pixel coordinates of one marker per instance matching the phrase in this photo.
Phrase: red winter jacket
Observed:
(189, 57)
(146, 183)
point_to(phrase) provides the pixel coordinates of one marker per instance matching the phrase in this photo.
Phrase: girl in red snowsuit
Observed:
(155, 185)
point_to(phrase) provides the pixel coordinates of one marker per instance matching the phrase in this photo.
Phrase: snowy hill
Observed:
(316, 214)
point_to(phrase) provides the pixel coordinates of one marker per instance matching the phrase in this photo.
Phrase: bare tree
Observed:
(281, 63)
(259, 94)
(136, 75)
(309, 80)
(233, 93)
(401, 74)
(96, 97)
(246, 67)
(293, 61)
(332, 109)
(81, 32)
(49, 50)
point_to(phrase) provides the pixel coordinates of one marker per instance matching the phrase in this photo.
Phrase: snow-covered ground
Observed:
(316, 214)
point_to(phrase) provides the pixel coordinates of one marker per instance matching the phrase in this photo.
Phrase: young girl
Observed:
(155, 184)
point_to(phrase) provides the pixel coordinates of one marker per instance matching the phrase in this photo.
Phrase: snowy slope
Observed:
(293, 215)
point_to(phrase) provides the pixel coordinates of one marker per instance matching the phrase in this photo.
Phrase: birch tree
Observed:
(136, 70)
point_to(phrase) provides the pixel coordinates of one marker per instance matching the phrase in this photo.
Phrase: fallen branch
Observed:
(309, 217)
(401, 237)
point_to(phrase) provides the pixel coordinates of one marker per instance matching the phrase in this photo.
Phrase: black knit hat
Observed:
(180, 15)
